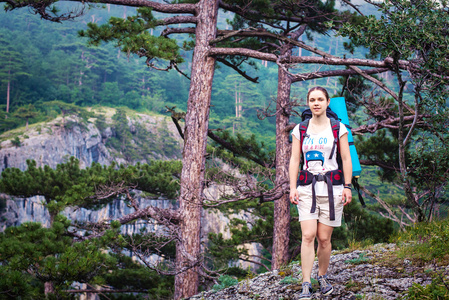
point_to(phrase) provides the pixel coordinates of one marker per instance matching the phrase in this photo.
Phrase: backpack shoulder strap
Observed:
(303, 134)
(303, 130)
(335, 125)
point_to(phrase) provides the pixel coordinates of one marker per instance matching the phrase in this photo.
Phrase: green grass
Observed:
(437, 290)
(359, 260)
(289, 280)
(425, 242)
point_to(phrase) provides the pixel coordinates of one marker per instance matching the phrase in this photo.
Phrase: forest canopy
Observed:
(396, 97)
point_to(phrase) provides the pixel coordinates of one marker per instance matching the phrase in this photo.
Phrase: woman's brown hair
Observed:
(318, 88)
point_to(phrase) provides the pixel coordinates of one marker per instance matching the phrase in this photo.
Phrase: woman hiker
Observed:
(322, 190)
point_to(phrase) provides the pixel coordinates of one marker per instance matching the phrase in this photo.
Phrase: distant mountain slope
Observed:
(113, 135)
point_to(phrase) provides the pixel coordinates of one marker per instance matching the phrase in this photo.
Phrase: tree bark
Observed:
(281, 230)
(192, 175)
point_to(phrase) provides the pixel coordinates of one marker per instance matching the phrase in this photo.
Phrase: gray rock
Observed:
(351, 280)
(53, 142)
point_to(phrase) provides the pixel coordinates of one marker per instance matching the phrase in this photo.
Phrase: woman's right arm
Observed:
(294, 169)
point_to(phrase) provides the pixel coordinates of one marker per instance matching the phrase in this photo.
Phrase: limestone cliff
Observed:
(99, 139)
(91, 140)
(51, 143)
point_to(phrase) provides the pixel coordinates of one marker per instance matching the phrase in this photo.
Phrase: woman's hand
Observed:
(294, 196)
(346, 196)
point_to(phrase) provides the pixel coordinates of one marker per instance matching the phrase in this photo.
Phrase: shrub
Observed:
(225, 282)
(289, 280)
(16, 141)
(437, 290)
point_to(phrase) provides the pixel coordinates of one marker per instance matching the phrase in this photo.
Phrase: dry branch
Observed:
(391, 123)
(391, 214)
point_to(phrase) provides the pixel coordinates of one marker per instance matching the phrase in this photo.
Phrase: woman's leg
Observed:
(324, 233)
(308, 232)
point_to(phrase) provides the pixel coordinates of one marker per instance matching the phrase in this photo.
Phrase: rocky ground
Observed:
(360, 274)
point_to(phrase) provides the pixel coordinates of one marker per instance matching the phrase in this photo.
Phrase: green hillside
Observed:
(49, 61)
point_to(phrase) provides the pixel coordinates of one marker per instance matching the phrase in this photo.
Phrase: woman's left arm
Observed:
(347, 168)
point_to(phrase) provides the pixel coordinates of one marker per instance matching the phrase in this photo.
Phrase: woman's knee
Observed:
(324, 242)
(308, 237)
(324, 234)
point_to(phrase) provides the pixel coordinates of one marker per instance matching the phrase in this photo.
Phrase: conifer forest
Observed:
(232, 77)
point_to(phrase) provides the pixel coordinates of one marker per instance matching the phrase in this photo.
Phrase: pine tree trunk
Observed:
(281, 230)
(8, 92)
(195, 141)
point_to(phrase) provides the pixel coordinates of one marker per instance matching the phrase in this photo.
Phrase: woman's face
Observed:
(317, 102)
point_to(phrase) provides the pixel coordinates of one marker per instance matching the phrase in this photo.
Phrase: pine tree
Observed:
(413, 117)
(12, 67)
(32, 256)
(26, 112)
(69, 251)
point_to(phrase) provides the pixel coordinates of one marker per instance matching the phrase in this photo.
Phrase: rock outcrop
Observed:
(360, 274)
(51, 143)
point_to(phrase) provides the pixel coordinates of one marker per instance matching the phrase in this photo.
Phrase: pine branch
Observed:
(246, 13)
(227, 34)
(182, 8)
(243, 73)
(323, 60)
(413, 220)
(167, 31)
(176, 20)
(333, 73)
(175, 65)
(258, 256)
(255, 262)
(191, 261)
(216, 51)
(229, 146)
(355, 7)
(245, 190)
(382, 164)
(390, 123)
(41, 7)
(167, 217)
(324, 57)
(176, 116)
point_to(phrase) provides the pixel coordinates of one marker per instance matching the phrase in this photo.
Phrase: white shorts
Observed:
(322, 212)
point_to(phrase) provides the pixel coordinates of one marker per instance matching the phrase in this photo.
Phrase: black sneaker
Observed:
(306, 293)
(325, 287)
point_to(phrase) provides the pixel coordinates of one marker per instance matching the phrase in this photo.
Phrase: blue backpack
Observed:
(334, 177)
